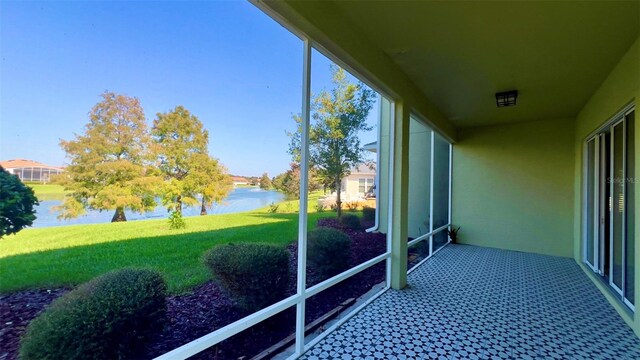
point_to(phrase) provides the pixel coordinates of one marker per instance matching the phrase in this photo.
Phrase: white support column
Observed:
(400, 196)
(431, 181)
(304, 196)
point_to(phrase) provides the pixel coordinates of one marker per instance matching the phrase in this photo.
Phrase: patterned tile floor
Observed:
(469, 302)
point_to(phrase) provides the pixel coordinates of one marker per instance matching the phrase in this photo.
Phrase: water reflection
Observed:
(240, 199)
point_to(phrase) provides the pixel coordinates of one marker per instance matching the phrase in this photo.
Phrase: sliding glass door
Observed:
(628, 285)
(617, 206)
(609, 211)
(591, 197)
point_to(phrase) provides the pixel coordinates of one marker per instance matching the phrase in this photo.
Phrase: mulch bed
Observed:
(16, 311)
(208, 308)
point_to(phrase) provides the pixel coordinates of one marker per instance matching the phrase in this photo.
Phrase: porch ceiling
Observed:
(461, 53)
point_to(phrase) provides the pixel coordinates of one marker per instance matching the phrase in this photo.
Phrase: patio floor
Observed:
(469, 302)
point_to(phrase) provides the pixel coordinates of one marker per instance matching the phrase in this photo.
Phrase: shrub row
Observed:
(328, 251)
(346, 221)
(255, 275)
(109, 317)
(258, 275)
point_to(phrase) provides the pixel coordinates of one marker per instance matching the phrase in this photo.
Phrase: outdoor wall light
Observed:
(506, 98)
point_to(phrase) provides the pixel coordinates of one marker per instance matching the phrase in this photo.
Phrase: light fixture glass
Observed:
(506, 98)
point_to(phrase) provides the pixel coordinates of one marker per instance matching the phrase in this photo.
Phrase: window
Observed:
(365, 185)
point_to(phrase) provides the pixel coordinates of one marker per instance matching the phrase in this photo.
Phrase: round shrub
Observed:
(351, 221)
(17, 203)
(368, 213)
(328, 251)
(109, 317)
(256, 275)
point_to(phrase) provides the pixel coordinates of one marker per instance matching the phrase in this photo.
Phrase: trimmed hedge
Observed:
(328, 251)
(109, 317)
(351, 221)
(256, 275)
(368, 213)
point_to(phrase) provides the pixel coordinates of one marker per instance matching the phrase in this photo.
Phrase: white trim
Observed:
(595, 220)
(423, 237)
(376, 182)
(613, 207)
(629, 304)
(450, 181)
(626, 202)
(596, 205)
(611, 203)
(392, 152)
(612, 120)
(341, 321)
(427, 258)
(602, 202)
(431, 181)
(315, 289)
(585, 176)
(304, 196)
(623, 190)
(209, 340)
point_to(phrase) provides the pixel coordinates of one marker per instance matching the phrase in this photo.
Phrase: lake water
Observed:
(239, 200)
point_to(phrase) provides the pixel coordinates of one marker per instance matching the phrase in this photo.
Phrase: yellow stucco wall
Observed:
(621, 88)
(513, 186)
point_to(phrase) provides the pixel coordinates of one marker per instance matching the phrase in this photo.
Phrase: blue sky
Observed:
(228, 63)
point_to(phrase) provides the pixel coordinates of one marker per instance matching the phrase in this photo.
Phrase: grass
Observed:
(69, 255)
(246, 186)
(47, 191)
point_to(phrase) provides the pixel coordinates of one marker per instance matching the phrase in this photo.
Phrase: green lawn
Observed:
(69, 255)
(47, 191)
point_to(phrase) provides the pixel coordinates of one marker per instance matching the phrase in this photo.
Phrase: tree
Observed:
(289, 181)
(278, 181)
(338, 117)
(265, 182)
(16, 204)
(210, 179)
(109, 165)
(180, 140)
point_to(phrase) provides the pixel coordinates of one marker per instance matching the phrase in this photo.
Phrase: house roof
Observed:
(365, 169)
(21, 163)
(372, 146)
(239, 179)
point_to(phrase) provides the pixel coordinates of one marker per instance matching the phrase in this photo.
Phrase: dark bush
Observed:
(328, 251)
(351, 221)
(255, 275)
(109, 317)
(369, 213)
(17, 202)
(365, 246)
(330, 222)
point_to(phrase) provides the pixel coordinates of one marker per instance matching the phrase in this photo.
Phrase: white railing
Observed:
(424, 237)
(236, 327)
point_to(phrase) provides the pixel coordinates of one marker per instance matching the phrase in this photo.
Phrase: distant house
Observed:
(29, 170)
(362, 180)
(358, 187)
(239, 180)
(360, 184)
